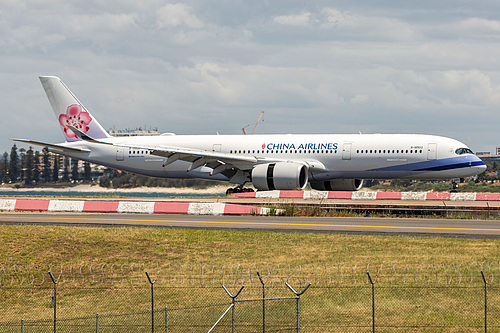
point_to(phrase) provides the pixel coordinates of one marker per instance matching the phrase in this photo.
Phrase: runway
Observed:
(480, 229)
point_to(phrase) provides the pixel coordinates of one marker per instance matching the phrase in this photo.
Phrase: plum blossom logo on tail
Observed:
(75, 117)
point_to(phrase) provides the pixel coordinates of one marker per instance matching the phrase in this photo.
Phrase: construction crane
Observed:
(257, 123)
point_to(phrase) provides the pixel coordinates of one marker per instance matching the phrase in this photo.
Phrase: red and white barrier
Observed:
(368, 195)
(115, 206)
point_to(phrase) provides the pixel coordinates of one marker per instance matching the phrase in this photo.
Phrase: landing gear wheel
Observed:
(238, 190)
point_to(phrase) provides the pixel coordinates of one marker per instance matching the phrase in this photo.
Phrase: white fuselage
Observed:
(328, 156)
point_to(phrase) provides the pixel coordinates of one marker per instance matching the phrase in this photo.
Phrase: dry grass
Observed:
(31, 245)
(27, 245)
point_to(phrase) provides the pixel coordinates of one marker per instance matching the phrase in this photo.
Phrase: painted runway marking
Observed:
(265, 223)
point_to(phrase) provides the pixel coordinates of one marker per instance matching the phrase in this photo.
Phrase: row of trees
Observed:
(33, 167)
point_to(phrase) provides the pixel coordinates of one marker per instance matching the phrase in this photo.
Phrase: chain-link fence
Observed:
(190, 298)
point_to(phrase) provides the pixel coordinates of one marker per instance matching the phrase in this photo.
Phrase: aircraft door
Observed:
(217, 147)
(432, 151)
(119, 153)
(346, 151)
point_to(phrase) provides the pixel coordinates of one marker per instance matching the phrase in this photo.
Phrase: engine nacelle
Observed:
(338, 185)
(280, 176)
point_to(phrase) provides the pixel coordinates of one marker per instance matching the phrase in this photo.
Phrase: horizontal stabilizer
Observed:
(85, 137)
(58, 147)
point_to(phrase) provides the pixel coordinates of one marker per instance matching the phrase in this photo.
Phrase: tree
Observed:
(55, 170)
(104, 181)
(74, 170)
(87, 174)
(65, 177)
(4, 170)
(46, 165)
(36, 167)
(28, 165)
(13, 164)
(22, 163)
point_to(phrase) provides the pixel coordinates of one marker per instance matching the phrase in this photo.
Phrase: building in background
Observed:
(134, 132)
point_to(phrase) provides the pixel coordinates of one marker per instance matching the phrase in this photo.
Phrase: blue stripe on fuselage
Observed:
(458, 162)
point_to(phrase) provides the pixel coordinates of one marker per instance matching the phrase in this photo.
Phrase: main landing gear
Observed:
(238, 189)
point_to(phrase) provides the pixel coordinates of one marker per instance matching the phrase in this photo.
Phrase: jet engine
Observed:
(338, 185)
(280, 176)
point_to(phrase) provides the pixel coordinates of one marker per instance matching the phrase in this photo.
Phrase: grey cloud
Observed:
(207, 66)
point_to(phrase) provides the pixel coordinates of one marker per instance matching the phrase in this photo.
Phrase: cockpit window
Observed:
(461, 151)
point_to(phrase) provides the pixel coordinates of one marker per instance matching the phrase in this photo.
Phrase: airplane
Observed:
(331, 162)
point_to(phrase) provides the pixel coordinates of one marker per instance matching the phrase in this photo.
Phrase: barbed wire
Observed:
(274, 276)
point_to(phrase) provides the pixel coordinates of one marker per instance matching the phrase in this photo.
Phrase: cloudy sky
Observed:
(202, 66)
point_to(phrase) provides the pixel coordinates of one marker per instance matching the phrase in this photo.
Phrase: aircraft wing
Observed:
(59, 148)
(198, 157)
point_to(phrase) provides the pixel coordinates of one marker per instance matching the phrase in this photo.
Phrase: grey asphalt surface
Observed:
(482, 229)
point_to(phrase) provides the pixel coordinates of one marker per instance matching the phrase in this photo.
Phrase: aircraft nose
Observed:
(477, 165)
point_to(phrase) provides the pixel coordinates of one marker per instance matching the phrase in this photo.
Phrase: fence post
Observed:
(263, 303)
(166, 319)
(233, 302)
(97, 322)
(22, 325)
(152, 302)
(373, 297)
(485, 280)
(298, 301)
(54, 299)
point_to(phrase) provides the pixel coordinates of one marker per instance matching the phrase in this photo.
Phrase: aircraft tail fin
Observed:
(69, 111)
